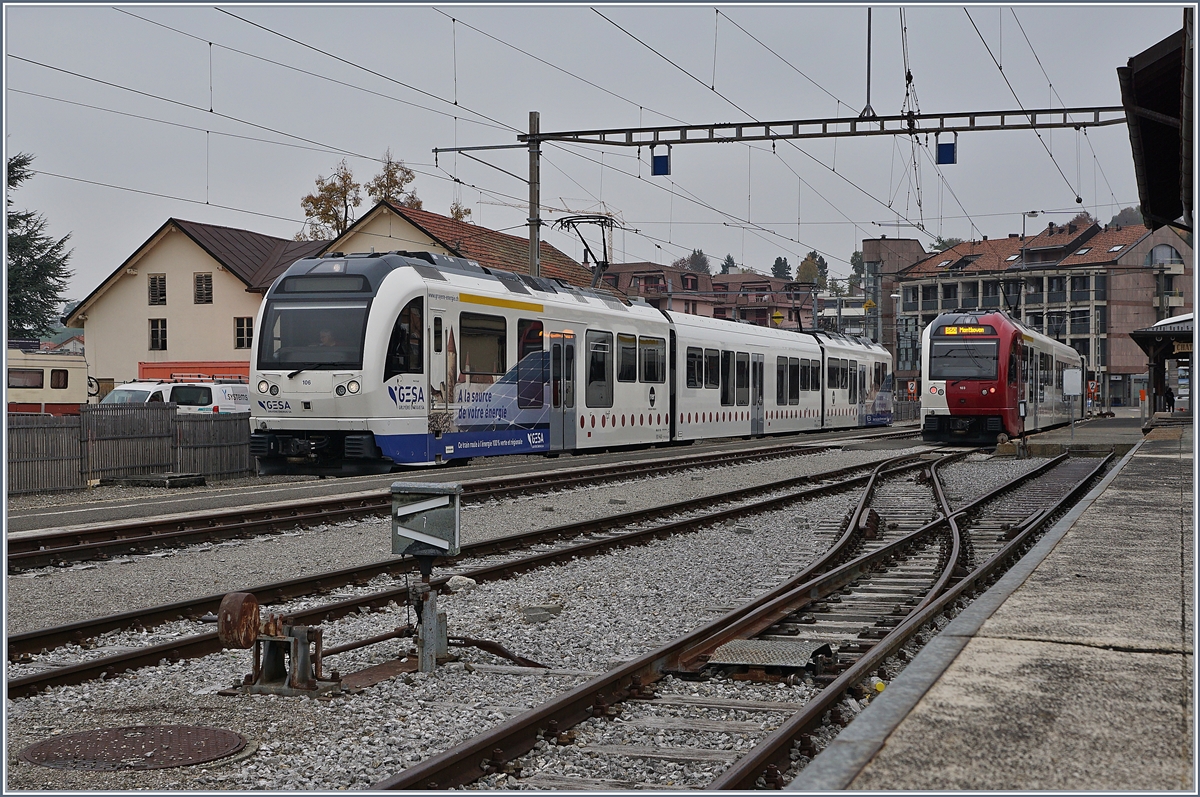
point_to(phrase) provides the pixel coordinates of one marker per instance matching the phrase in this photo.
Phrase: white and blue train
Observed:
(368, 362)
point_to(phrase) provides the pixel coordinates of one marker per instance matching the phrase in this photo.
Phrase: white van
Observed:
(190, 397)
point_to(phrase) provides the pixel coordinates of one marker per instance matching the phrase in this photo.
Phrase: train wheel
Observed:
(1002, 438)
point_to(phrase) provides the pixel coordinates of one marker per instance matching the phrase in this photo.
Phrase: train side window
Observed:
(1014, 365)
(814, 375)
(569, 375)
(695, 367)
(844, 374)
(404, 351)
(794, 381)
(626, 358)
(712, 369)
(652, 355)
(853, 377)
(805, 365)
(556, 374)
(58, 378)
(483, 344)
(781, 381)
(743, 378)
(726, 379)
(832, 372)
(437, 335)
(599, 390)
(531, 367)
(26, 377)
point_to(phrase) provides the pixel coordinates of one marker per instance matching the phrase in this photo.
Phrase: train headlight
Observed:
(984, 391)
(263, 386)
(340, 390)
(992, 390)
(352, 386)
(274, 390)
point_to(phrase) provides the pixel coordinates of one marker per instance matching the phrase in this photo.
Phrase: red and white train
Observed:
(987, 378)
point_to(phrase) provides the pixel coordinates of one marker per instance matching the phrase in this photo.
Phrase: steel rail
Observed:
(204, 644)
(465, 763)
(103, 541)
(290, 589)
(776, 749)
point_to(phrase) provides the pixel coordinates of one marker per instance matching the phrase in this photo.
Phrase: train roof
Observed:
(435, 267)
(772, 333)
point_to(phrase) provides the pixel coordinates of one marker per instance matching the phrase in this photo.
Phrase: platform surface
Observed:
(1074, 672)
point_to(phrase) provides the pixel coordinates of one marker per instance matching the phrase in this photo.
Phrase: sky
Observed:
(227, 115)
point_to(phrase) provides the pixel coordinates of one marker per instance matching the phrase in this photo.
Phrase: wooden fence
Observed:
(48, 453)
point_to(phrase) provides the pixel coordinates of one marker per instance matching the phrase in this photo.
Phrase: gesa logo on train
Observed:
(275, 405)
(407, 396)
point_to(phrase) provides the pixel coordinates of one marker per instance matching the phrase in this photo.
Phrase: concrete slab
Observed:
(1120, 433)
(1074, 672)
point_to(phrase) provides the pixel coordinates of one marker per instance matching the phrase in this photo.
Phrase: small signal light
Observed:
(933, 390)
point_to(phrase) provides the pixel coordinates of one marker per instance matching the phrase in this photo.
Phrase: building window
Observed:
(1101, 287)
(1080, 289)
(1034, 321)
(203, 289)
(1162, 255)
(1080, 322)
(991, 293)
(158, 288)
(1056, 289)
(1056, 325)
(245, 333)
(158, 334)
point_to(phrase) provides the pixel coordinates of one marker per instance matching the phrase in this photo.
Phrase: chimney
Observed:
(1013, 235)
(1071, 228)
(985, 237)
(1050, 228)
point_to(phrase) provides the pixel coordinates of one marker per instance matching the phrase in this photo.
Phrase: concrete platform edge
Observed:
(836, 767)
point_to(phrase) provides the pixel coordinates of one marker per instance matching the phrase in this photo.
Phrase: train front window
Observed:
(316, 335)
(963, 359)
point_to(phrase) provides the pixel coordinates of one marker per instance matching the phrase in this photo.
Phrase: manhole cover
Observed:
(138, 747)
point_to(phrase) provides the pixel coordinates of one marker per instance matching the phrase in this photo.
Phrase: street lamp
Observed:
(1032, 214)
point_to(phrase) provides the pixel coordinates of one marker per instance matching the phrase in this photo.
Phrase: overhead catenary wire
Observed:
(1078, 198)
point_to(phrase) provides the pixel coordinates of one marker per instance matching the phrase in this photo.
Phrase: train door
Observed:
(862, 393)
(439, 386)
(561, 344)
(757, 424)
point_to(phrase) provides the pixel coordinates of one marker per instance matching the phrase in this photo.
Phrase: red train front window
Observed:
(963, 359)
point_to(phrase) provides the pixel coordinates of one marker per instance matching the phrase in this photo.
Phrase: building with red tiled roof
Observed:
(187, 296)
(390, 227)
(761, 299)
(664, 287)
(1088, 286)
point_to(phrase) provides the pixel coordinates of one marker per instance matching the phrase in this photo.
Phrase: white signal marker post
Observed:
(426, 524)
(1072, 387)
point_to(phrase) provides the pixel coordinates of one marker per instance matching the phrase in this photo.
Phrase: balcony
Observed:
(909, 306)
(950, 304)
(1172, 299)
(1080, 327)
(991, 301)
(1056, 297)
(1081, 296)
(970, 301)
(929, 304)
(1033, 298)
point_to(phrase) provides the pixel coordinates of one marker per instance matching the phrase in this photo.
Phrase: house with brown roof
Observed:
(183, 302)
(1087, 286)
(758, 299)
(391, 227)
(665, 287)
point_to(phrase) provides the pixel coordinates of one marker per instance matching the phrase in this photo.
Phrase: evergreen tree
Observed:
(858, 269)
(728, 264)
(37, 264)
(781, 269)
(942, 244)
(1128, 216)
(696, 261)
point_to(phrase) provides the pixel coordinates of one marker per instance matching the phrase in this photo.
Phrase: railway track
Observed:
(846, 622)
(571, 540)
(100, 542)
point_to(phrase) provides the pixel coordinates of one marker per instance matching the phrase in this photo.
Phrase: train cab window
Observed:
(963, 359)
(26, 377)
(781, 381)
(627, 355)
(712, 369)
(793, 381)
(531, 367)
(852, 374)
(405, 354)
(437, 335)
(482, 347)
(726, 379)
(695, 367)
(743, 379)
(58, 378)
(652, 357)
(599, 390)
